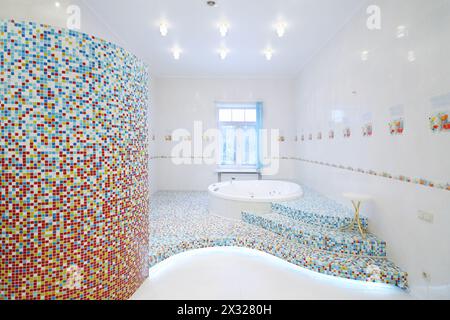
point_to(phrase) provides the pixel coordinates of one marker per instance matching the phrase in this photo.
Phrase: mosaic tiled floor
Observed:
(180, 221)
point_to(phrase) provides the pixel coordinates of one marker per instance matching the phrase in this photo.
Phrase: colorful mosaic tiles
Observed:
(348, 242)
(402, 178)
(315, 209)
(73, 157)
(397, 126)
(180, 221)
(439, 122)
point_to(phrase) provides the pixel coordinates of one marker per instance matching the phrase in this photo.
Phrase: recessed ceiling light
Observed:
(280, 27)
(223, 53)
(211, 3)
(402, 32)
(223, 28)
(176, 52)
(268, 53)
(163, 28)
(411, 56)
(57, 4)
(365, 55)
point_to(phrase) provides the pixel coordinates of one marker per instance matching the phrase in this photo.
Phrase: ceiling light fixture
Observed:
(268, 53)
(223, 53)
(411, 56)
(223, 28)
(280, 27)
(163, 28)
(176, 52)
(211, 3)
(57, 4)
(365, 55)
(402, 32)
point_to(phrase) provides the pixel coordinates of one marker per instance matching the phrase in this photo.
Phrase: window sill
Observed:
(237, 170)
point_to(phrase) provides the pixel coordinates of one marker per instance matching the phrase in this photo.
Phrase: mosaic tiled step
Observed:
(347, 242)
(180, 221)
(368, 269)
(314, 208)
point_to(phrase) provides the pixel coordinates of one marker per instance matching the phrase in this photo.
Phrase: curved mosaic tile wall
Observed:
(73, 155)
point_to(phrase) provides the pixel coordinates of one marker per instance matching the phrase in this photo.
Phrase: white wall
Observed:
(181, 101)
(386, 79)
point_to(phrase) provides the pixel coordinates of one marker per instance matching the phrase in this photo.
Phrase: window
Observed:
(239, 125)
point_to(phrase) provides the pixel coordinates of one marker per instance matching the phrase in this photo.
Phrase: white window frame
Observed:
(237, 124)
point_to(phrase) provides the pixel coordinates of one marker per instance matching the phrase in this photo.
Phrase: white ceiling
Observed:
(193, 27)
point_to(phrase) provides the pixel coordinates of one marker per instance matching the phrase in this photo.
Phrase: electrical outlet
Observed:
(425, 216)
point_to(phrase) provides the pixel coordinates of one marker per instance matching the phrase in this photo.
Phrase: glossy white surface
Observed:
(232, 209)
(193, 27)
(193, 99)
(356, 196)
(365, 91)
(256, 190)
(230, 199)
(244, 274)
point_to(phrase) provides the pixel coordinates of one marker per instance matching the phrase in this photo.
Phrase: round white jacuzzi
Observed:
(230, 199)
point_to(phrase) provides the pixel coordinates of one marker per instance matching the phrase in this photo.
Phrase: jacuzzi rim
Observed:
(221, 195)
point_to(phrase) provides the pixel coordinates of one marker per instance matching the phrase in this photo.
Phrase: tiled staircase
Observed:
(316, 222)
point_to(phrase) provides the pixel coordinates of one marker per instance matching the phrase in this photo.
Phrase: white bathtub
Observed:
(229, 199)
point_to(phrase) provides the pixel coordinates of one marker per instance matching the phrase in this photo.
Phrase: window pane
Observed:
(225, 115)
(228, 145)
(238, 124)
(250, 147)
(250, 115)
(238, 115)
